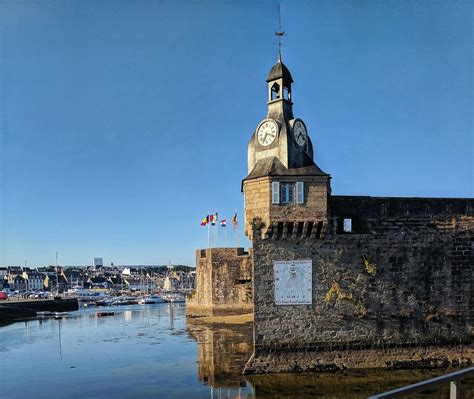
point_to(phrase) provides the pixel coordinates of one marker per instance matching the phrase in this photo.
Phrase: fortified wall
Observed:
(339, 281)
(401, 279)
(223, 283)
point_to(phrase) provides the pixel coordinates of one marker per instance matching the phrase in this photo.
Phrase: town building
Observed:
(35, 281)
(98, 263)
(18, 283)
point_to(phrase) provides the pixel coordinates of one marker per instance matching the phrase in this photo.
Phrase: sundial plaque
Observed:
(293, 282)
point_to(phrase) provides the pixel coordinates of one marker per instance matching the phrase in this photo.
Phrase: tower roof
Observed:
(279, 70)
(272, 166)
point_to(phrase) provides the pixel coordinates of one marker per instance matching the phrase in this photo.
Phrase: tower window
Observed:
(287, 193)
(286, 93)
(347, 225)
(275, 95)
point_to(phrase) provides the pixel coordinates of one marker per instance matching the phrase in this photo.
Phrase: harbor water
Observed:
(152, 351)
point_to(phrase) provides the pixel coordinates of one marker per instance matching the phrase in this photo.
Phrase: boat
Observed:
(174, 297)
(44, 313)
(123, 300)
(103, 314)
(154, 299)
(88, 295)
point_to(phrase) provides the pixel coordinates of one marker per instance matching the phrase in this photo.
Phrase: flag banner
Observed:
(212, 220)
(234, 220)
(205, 221)
(217, 217)
(223, 223)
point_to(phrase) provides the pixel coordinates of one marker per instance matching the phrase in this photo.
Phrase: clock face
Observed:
(267, 132)
(293, 282)
(299, 131)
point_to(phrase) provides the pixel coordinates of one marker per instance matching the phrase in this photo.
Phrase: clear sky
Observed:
(123, 123)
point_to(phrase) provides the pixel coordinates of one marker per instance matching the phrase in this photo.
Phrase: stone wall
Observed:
(258, 201)
(257, 194)
(223, 283)
(403, 278)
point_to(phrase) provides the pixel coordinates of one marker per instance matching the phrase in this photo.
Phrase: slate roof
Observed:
(272, 166)
(279, 70)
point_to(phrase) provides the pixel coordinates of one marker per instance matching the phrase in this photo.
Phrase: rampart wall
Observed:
(223, 283)
(396, 291)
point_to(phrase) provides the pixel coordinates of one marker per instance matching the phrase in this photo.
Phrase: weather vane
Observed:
(279, 33)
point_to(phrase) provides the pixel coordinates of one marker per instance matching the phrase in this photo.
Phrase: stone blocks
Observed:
(403, 278)
(223, 283)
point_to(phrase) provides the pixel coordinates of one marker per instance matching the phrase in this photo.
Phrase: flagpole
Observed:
(208, 233)
(225, 233)
(235, 228)
(216, 230)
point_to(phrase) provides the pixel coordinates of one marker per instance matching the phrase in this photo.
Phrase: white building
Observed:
(35, 281)
(98, 262)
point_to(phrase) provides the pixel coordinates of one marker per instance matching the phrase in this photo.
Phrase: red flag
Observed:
(234, 221)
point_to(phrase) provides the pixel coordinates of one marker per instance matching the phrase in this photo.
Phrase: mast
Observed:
(57, 277)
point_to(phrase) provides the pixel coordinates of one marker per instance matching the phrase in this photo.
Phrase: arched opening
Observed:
(275, 92)
(286, 93)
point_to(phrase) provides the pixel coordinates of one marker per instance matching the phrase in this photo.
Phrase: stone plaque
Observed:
(293, 282)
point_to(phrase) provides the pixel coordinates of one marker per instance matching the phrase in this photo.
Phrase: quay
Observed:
(27, 308)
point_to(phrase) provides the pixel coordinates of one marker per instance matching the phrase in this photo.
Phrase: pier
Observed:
(26, 309)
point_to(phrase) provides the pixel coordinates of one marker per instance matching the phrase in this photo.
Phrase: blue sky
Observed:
(124, 123)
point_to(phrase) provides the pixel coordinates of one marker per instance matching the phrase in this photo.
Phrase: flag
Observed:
(234, 221)
(205, 221)
(212, 220)
(64, 276)
(223, 223)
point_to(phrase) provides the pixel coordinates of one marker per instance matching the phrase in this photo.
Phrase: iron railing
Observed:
(452, 378)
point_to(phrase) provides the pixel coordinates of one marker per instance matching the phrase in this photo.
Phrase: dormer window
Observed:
(275, 92)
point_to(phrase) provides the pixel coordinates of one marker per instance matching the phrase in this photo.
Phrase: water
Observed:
(152, 352)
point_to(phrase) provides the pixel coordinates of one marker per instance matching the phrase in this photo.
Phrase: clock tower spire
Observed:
(284, 184)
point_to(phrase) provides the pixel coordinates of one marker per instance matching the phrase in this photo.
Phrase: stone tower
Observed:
(284, 188)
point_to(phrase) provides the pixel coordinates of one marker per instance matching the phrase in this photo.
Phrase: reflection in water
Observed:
(349, 384)
(171, 317)
(222, 352)
(152, 351)
(59, 339)
(127, 315)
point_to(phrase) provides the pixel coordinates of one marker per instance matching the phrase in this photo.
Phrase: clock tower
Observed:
(284, 188)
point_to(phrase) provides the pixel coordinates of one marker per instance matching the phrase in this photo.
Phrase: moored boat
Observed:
(103, 314)
(154, 299)
(44, 313)
(175, 297)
